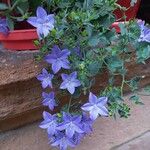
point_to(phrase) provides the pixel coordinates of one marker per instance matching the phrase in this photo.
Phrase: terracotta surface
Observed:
(107, 134)
(139, 143)
(20, 40)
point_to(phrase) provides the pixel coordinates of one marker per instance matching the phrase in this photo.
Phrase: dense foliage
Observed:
(78, 43)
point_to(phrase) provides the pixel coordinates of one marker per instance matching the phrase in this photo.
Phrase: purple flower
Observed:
(43, 22)
(145, 32)
(77, 51)
(96, 106)
(49, 100)
(141, 24)
(62, 141)
(78, 137)
(49, 123)
(86, 123)
(71, 125)
(45, 78)
(70, 82)
(58, 58)
(3, 26)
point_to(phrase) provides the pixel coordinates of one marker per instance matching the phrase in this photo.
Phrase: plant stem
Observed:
(15, 4)
(122, 84)
(9, 3)
(69, 103)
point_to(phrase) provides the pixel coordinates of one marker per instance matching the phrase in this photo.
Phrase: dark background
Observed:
(144, 11)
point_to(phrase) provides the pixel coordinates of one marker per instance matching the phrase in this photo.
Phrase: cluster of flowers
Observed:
(145, 32)
(65, 129)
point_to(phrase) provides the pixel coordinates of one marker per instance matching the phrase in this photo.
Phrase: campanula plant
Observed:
(79, 45)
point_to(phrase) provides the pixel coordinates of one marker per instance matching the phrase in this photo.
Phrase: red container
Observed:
(115, 25)
(19, 40)
(5, 1)
(130, 13)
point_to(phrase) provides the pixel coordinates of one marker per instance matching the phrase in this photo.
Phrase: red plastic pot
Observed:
(5, 1)
(115, 25)
(130, 13)
(19, 39)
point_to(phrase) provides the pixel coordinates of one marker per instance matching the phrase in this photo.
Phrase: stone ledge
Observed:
(18, 66)
(138, 143)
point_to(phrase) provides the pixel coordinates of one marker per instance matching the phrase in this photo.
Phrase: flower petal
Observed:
(70, 131)
(92, 98)
(56, 67)
(73, 74)
(77, 83)
(47, 115)
(51, 129)
(65, 53)
(64, 76)
(41, 13)
(87, 107)
(56, 50)
(94, 113)
(78, 129)
(63, 85)
(65, 65)
(4, 30)
(42, 32)
(51, 18)
(62, 127)
(103, 111)
(71, 89)
(33, 21)
(44, 95)
(44, 84)
(102, 101)
(40, 77)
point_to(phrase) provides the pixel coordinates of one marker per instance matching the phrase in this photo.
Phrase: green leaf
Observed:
(94, 68)
(87, 4)
(115, 64)
(123, 29)
(133, 2)
(124, 110)
(10, 24)
(3, 6)
(136, 99)
(23, 7)
(147, 89)
(143, 53)
(133, 83)
(94, 40)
